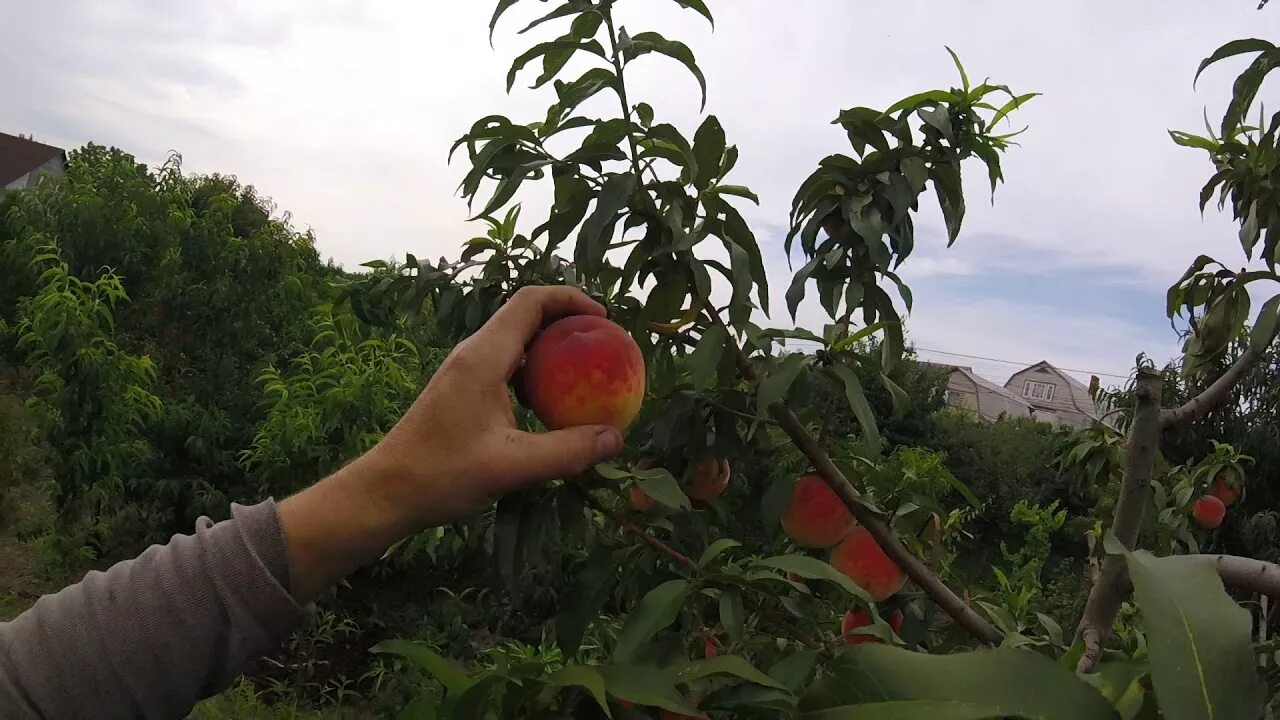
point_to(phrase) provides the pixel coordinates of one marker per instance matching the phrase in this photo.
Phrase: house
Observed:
(23, 161)
(1056, 396)
(969, 391)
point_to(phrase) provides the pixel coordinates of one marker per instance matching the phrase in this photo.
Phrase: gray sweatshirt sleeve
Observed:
(152, 635)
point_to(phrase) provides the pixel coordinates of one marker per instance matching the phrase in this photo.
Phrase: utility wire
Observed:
(991, 359)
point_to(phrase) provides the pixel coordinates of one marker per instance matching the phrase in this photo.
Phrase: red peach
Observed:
(1226, 491)
(712, 648)
(640, 501)
(862, 559)
(583, 370)
(855, 619)
(816, 517)
(1209, 512)
(709, 479)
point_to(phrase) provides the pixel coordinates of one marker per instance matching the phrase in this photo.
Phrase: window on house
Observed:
(1038, 390)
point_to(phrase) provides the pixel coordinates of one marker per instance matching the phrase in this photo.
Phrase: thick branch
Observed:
(632, 528)
(1247, 573)
(1200, 405)
(1109, 592)
(920, 573)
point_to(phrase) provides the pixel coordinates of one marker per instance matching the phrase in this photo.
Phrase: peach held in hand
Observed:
(816, 517)
(583, 370)
(859, 556)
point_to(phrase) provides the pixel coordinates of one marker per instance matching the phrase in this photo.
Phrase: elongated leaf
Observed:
(699, 7)
(708, 148)
(912, 101)
(564, 10)
(551, 46)
(1264, 327)
(655, 611)
(964, 76)
(901, 401)
(1202, 663)
(740, 233)
(645, 685)
(732, 615)
(647, 42)
(1231, 49)
(1010, 682)
(661, 485)
(773, 388)
(737, 191)
(861, 408)
(1245, 89)
(814, 569)
(909, 710)
(705, 360)
(859, 336)
(584, 676)
(449, 675)
(795, 293)
(1010, 106)
(716, 549)
(1194, 141)
(503, 6)
(594, 236)
(727, 665)
(591, 589)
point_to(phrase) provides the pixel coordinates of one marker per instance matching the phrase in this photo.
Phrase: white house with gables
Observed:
(23, 161)
(1040, 391)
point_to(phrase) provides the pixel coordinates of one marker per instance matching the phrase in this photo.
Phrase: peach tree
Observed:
(843, 606)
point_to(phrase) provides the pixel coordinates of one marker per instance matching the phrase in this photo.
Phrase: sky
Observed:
(343, 111)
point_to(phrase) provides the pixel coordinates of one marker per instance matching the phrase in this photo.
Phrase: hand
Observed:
(454, 453)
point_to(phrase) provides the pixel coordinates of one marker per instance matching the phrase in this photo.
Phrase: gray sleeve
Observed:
(152, 635)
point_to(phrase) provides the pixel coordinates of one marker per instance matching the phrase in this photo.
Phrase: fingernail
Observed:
(608, 442)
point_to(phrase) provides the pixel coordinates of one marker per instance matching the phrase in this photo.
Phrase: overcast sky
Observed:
(343, 112)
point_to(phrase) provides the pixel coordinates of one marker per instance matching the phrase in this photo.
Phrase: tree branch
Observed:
(1200, 405)
(625, 524)
(920, 573)
(1109, 592)
(1247, 573)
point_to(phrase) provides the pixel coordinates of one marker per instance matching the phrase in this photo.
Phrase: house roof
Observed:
(980, 381)
(19, 156)
(1080, 397)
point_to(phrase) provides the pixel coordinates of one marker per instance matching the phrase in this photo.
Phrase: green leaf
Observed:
(424, 707)
(708, 149)
(1004, 682)
(1264, 327)
(645, 685)
(715, 549)
(1231, 49)
(932, 97)
(732, 615)
(859, 336)
(644, 112)
(647, 42)
(740, 234)
(699, 7)
(655, 611)
(795, 293)
(503, 6)
(1201, 657)
(901, 401)
(590, 590)
(1009, 107)
(736, 190)
(726, 665)
(940, 119)
(584, 676)
(964, 76)
(594, 237)
(1245, 89)
(507, 546)
(1194, 141)
(449, 675)
(861, 408)
(773, 388)
(564, 10)
(947, 183)
(814, 569)
(705, 361)
(551, 46)
(661, 485)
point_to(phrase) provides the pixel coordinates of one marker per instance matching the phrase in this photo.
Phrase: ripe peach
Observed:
(640, 501)
(855, 619)
(709, 479)
(583, 370)
(1225, 491)
(1209, 511)
(816, 517)
(712, 648)
(860, 557)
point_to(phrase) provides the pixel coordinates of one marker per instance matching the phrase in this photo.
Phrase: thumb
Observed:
(539, 457)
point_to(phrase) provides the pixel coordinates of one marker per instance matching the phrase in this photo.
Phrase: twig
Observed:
(632, 528)
(920, 573)
(1109, 592)
(1200, 405)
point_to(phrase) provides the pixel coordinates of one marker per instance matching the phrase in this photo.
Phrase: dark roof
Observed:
(19, 156)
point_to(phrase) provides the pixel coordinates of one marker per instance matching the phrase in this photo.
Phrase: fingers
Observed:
(516, 322)
(538, 457)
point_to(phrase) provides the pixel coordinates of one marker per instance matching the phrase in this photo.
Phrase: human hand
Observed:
(454, 453)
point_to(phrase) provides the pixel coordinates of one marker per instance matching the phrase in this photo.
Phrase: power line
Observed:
(991, 359)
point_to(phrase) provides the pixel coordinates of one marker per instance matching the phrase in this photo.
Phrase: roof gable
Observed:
(19, 156)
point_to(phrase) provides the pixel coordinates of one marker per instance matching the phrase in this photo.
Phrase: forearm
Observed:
(152, 635)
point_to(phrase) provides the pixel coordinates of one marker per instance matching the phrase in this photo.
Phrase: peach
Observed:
(859, 556)
(640, 501)
(583, 370)
(709, 479)
(855, 619)
(1226, 491)
(815, 516)
(712, 648)
(1209, 512)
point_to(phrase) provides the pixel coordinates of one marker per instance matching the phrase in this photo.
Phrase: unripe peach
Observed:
(640, 501)
(583, 370)
(709, 479)
(859, 556)
(855, 619)
(1209, 511)
(816, 517)
(1225, 491)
